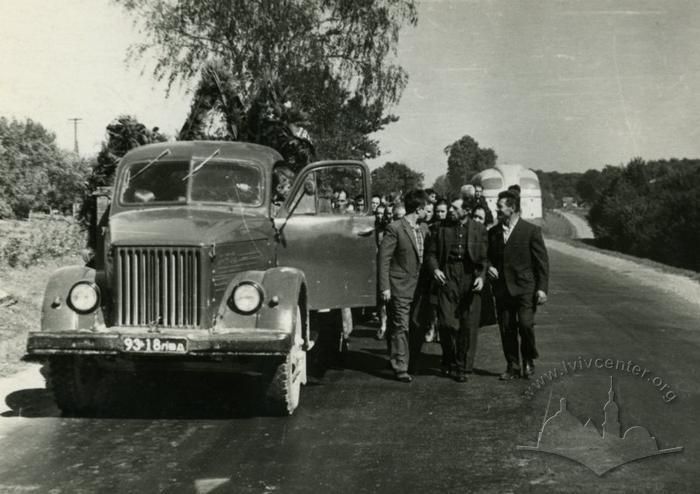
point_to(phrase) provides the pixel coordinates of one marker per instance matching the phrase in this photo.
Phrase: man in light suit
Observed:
(519, 270)
(400, 259)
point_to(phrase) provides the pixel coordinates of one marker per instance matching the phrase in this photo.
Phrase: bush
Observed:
(29, 243)
(652, 210)
(5, 210)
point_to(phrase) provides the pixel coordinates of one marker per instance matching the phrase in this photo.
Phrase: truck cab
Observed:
(196, 263)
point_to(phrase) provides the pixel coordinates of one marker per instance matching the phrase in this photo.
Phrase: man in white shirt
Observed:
(519, 270)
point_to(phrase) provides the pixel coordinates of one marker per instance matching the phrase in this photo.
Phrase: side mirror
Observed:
(100, 202)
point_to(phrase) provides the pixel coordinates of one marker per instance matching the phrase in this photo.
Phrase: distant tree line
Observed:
(584, 188)
(650, 209)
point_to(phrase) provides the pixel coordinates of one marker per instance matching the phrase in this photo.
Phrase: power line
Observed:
(75, 133)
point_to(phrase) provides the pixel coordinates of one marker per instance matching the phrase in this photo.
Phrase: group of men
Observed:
(448, 267)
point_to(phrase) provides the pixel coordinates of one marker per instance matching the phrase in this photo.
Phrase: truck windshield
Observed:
(219, 182)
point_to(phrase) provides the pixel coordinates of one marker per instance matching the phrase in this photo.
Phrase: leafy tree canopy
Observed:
(395, 178)
(556, 185)
(464, 159)
(123, 134)
(268, 70)
(353, 40)
(440, 186)
(651, 209)
(35, 174)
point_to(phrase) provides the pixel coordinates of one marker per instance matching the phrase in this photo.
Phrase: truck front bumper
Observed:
(42, 344)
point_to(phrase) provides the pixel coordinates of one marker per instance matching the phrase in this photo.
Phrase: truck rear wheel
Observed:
(74, 383)
(284, 389)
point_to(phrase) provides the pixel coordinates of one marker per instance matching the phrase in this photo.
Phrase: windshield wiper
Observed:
(199, 166)
(148, 165)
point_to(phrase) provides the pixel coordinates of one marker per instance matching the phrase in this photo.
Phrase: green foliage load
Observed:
(395, 178)
(652, 209)
(34, 173)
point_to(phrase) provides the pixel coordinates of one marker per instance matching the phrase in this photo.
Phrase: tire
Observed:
(283, 390)
(74, 384)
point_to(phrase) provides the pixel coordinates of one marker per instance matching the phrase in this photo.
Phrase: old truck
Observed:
(194, 267)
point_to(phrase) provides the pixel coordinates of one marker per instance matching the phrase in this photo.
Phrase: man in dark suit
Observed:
(519, 269)
(457, 257)
(400, 259)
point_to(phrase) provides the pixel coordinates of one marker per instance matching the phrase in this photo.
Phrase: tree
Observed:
(330, 60)
(395, 178)
(593, 182)
(440, 186)
(268, 40)
(35, 174)
(464, 159)
(556, 185)
(123, 134)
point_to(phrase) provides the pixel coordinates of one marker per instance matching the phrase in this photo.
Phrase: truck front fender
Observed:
(56, 313)
(284, 289)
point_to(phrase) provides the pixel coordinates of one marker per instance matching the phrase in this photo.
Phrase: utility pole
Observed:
(75, 133)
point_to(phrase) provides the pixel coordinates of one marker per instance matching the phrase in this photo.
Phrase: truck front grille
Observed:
(158, 286)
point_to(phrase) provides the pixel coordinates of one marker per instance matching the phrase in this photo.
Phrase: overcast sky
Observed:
(558, 84)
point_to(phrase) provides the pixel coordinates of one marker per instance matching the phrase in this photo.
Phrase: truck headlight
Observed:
(84, 297)
(246, 297)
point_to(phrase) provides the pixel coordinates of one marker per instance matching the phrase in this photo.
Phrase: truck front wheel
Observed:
(284, 388)
(75, 383)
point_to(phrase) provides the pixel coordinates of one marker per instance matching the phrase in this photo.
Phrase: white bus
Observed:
(499, 178)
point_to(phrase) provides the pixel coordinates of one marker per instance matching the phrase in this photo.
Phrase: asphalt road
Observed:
(357, 430)
(581, 226)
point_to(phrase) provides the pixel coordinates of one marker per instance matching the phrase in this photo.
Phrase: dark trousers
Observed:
(404, 340)
(516, 315)
(459, 311)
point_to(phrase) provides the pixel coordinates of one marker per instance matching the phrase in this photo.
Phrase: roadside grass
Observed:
(25, 243)
(556, 226)
(29, 252)
(26, 287)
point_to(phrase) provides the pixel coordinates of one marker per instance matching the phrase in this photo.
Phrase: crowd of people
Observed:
(447, 267)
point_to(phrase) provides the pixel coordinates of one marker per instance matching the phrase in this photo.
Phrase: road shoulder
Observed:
(680, 285)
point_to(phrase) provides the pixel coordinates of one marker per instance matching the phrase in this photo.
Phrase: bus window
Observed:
(492, 183)
(529, 183)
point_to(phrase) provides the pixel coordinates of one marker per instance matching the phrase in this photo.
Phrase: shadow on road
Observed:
(176, 395)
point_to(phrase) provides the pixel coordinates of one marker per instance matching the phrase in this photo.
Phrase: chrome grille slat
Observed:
(173, 289)
(180, 285)
(158, 285)
(120, 293)
(127, 287)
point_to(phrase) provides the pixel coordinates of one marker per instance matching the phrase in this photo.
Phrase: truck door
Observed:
(324, 234)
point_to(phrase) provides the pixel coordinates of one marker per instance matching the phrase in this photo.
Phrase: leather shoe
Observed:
(461, 378)
(509, 374)
(529, 368)
(404, 377)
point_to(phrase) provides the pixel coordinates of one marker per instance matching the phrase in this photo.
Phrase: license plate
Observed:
(154, 345)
